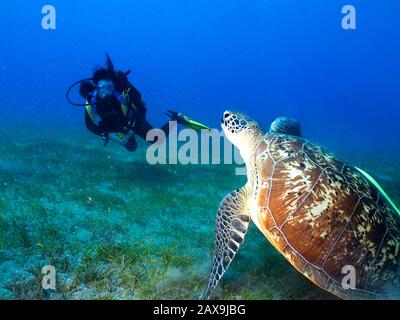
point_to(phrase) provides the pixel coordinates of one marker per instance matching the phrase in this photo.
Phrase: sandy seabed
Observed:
(115, 227)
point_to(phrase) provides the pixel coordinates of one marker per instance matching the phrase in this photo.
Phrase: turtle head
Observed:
(241, 130)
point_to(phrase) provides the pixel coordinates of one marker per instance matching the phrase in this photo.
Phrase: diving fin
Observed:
(186, 121)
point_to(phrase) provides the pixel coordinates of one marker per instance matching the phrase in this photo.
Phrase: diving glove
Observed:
(118, 137)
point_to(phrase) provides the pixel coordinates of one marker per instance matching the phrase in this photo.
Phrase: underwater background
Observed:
(116, 227)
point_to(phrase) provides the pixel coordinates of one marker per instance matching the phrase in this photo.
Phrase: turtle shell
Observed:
(327, 219)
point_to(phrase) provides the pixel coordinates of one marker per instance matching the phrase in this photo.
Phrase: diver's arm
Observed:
(93, 127)
(137, 103)
(135, 97)
(143, 127)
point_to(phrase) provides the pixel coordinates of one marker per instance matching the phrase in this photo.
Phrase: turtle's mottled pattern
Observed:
(327, 218)
(322, 214)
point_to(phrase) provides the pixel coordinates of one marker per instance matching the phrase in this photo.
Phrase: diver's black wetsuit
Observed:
(113, 119)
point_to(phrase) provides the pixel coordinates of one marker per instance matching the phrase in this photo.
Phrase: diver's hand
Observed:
(105, 138)
(120, 138)
(116, 137)
(126, 138)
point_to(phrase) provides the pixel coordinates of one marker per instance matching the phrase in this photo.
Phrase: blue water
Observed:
(266, 58)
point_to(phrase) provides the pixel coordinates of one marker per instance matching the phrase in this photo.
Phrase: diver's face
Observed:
(105, 88)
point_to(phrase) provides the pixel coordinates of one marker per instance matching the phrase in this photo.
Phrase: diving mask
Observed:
(105, 88)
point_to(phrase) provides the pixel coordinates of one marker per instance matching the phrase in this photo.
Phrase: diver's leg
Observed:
(143, 127)
(131, 145)
(169, 125)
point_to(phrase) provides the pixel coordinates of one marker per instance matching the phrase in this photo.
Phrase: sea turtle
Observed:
(326, 217)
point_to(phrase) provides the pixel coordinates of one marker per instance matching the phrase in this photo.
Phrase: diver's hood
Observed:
(102, 79)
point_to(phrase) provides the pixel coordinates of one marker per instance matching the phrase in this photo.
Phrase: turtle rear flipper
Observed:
(231, 227)
(286, 125)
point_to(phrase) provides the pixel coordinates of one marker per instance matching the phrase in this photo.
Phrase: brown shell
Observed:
(323, 215)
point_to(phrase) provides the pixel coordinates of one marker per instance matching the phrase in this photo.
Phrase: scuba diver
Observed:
(115, 109)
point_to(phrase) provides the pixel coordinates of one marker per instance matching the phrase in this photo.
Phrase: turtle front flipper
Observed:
(286, 125)
(231, 227)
